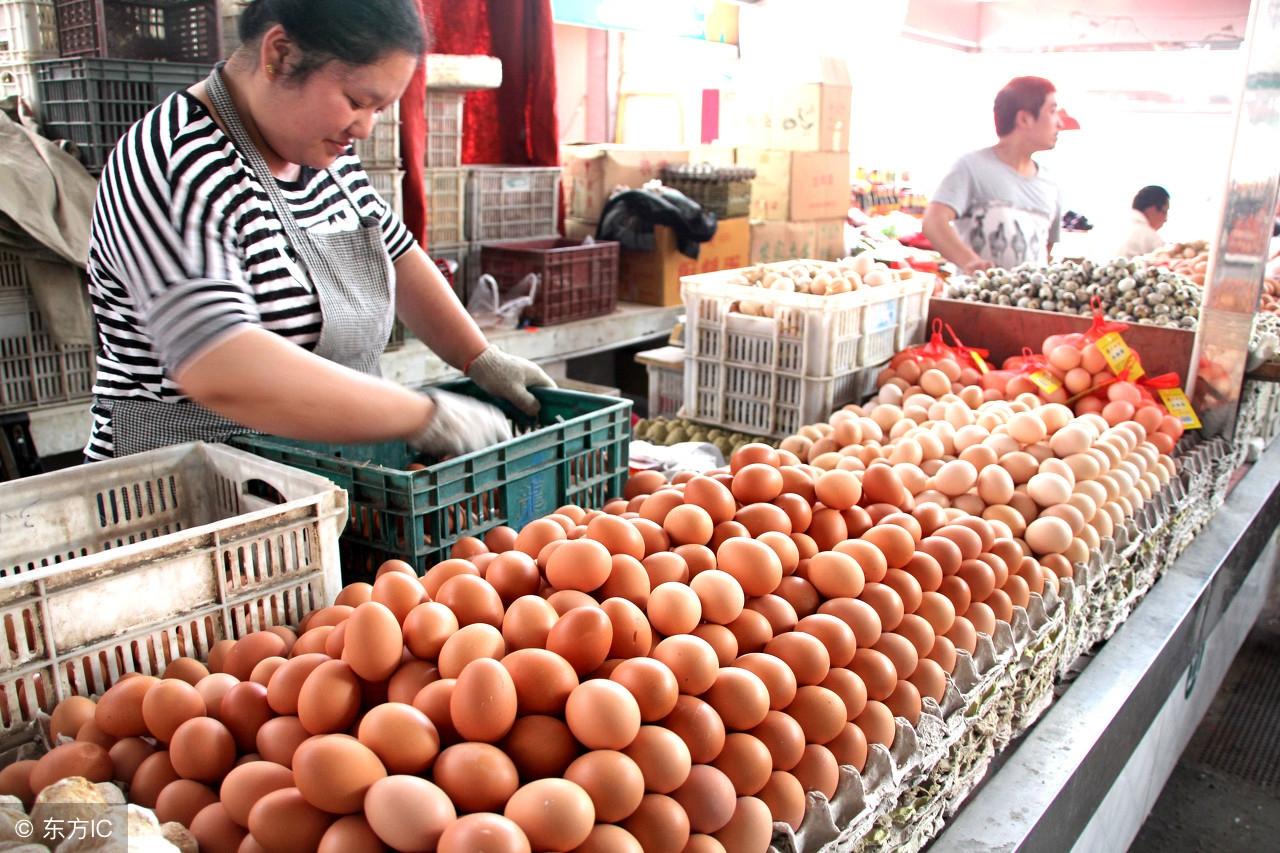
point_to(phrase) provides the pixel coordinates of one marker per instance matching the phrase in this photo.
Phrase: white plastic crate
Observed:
(914, 323)
(444, 130)
(446, 205)
(124, 565)
(512, 202)
(665, 366)
(389, 183)
(19, 78)
(28, 31)
(382, 149)
(35, 370)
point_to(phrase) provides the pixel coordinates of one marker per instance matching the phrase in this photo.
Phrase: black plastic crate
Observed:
(94, 102)
(165, 30)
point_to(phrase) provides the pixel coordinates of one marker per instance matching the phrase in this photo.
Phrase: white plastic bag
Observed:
(485, 303)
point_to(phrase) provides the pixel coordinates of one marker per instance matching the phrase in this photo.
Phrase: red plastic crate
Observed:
(156, 30)
(575, 281)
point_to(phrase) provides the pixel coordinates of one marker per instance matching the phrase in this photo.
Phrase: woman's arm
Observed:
(428, 306)
(258, 379)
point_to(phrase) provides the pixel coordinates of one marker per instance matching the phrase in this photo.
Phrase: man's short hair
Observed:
(1152, 196)
(1020, 93)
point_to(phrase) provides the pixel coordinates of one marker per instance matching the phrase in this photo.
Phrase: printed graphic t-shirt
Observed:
(1005, 217)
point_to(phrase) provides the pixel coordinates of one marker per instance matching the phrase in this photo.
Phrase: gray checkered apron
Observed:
(353, 278)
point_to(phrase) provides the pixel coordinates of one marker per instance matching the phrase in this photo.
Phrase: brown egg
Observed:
(674, 608)
(119, 711)
(250, 650)
(543, 680)
(783, 737)
(352, 834)
(781, 615)
(527, 623)
(725, 531)
(858, 615)
(819, 711)
(555, 814)
(512, 575)
(182, 800)
(408, 813)
(834, 634)
(739, 697)
(660, 823)
(711, 497)
(70, 715)
(905, 702)
(478, 777)
(541, 746)
(643, 483)
(126, 756)
(354, 594)
(896, 543)
(483, 704)
(151, 777)
(887, 604)
(877, 672)
(849, 747)
(929, 679)
(900, 651)
(433, 700)
(750, 830)
(720, 595)
(15, 781)
(804, 653)
(244, 710)
(491, 833)
(374, 641)
(708, 798)
(800, 594)
(827, 529)
(881, 485)
(698, 558)
(756, 483)
(784, 796)
(169, 704)
(612, 780)
(752, 631)
(247, 784)
(265, 669)
(472, 600)
(286, 682)
(981, 617)
(403, 738)
(473, 642)
(662, 756)
(71, 759)
(762, 518)
(746, 761)
(753, 564)
(776, 676)
(849, 687)
(605, 838)
(870, 559)
(602, 714)
(876, 723)
(284, 820)
(665, 567)
(688, 524)
(216, 832)
(537, 534)
(329, 698)
(835, 575)
(818, 770)
(400, 592)
(202, 749)
(618, 535)
(918, 631)
(336, 640)
(583, 565)
(691, 660)
(218, 651)
(279, 738)
(699, 726)
(312, 641)
(583, 637)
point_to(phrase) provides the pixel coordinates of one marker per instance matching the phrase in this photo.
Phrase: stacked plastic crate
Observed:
(446, 185)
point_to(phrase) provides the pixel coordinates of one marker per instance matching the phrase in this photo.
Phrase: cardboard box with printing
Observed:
(786, 241)
(654, 277)
(797, 186)
(592, 171)
(812, 115)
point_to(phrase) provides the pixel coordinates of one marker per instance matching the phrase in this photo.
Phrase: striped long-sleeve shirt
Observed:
(185, 247)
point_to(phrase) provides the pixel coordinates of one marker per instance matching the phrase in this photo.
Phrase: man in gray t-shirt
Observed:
(996, 207)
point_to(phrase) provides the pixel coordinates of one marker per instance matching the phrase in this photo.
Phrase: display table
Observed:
(62, 429)
(1087, 774)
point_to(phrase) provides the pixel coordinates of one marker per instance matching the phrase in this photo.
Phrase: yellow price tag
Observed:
(1045, 381)
(978, 360)
(1176, 403)
(1122, 360)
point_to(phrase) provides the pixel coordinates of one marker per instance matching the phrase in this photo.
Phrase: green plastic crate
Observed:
(576, 452)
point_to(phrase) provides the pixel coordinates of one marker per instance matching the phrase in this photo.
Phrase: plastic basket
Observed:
(164, 30)
(35, 371)
(382, 149)
(577, 452)
(444, 130)
(19, 78)
(575, 280)
(666, 391)
(389, 183)
(28, 30)
(512, 203)
(446, 205)
(914, 320)
(124, 565)
(94, 102)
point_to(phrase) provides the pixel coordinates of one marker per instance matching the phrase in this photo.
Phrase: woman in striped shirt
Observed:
(245, 275)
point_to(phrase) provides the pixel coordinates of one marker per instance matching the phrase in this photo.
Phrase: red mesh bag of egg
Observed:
(956, 361)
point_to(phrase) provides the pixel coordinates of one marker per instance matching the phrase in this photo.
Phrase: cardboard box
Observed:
(579, 229)
(812, 115)
(591, 172)
(798, 186)
(653, 278)
(787, 241)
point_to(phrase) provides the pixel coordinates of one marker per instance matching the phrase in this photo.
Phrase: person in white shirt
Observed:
(1149, 214)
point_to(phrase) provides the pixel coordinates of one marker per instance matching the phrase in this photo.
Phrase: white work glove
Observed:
(460, 425)
(509, 377)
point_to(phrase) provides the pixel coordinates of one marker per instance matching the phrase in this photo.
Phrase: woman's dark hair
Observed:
(356, 32)
(1152, 196)
(1021, 94)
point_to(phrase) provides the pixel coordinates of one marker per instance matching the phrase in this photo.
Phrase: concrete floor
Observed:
(1224, 794)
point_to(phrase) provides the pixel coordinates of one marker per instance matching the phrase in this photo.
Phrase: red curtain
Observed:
(515, 124)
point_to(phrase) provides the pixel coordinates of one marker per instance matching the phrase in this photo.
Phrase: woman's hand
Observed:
(458, 425)
(509, 377)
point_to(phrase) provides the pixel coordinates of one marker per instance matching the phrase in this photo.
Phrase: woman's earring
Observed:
(271, 71)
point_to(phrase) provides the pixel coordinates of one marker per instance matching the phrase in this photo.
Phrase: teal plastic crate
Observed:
(575, 452)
